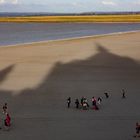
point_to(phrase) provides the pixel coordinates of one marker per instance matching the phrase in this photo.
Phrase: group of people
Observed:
(83, 103)
(7, 119)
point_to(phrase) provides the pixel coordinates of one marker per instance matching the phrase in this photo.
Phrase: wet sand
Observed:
(36, 79)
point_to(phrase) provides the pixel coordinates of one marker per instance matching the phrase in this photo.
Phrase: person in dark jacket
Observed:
(77, 103)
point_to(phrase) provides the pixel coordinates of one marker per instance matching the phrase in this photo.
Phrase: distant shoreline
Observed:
(75, 19)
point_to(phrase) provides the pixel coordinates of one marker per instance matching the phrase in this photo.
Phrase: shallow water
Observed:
(15, 33)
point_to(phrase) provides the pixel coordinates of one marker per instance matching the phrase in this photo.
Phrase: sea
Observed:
(19, 33)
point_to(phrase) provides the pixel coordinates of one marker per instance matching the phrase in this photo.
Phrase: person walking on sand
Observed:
(69, 102)
(85, 106)
(7, 122)
(5, 108)
(123, 94)
(86, 101)
(77, 103)
(93, 101)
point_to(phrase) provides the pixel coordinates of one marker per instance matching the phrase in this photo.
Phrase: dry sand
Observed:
(36, 79)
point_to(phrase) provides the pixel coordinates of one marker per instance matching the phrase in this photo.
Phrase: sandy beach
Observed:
(36, 79)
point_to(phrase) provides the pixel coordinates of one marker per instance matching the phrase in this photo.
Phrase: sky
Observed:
(68, 6)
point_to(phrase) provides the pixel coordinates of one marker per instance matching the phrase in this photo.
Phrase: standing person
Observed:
(5, 108)
(93, 101)
(69, 102)
(123, 94)
(106, 95)
(99, 100)
(77, 103)
(137, 130)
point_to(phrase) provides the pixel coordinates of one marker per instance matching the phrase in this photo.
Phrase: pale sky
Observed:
(68, 6)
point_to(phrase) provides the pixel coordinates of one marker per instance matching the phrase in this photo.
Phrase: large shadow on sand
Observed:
(102, 72)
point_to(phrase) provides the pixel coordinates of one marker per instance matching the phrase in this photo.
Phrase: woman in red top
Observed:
(7, 121)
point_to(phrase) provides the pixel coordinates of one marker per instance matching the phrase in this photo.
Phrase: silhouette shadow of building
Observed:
(101, 72)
